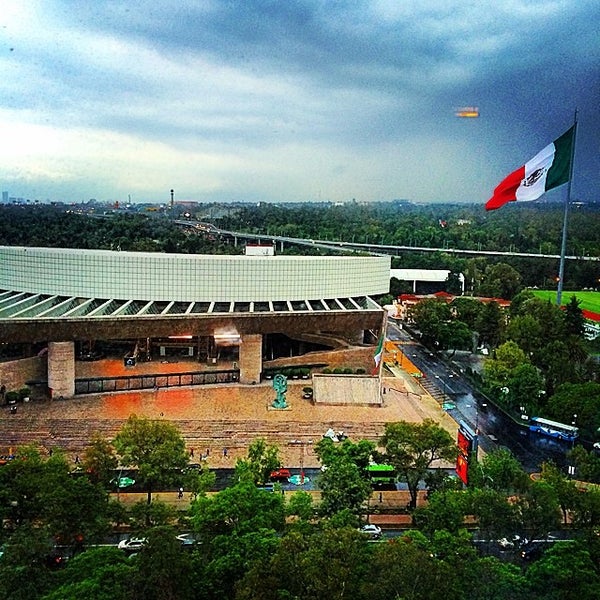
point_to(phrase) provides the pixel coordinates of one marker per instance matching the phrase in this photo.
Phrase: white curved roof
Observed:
(59, 282)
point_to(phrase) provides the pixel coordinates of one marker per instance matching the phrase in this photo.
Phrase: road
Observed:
(446, 382)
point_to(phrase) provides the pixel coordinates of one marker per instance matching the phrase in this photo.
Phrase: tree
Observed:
(332, 563)
(501, 581)
(156, 448)
(102, 573)
(445, 510)
(581, 399)
(164, 568)
(412, 447)
(501, 471)
(343, 487)
(44, 492)
(359, 453)
(429, 315)
(407, 568)
(587, 464)
(498, 369)
(490, 324)
(237, 527)
(565, 572)
(496, 516)
(574, 319)
(301, 504)
(539, 508)
(99, 460)
(455, 335)
(261, 461)
(467, 310)
(525, 384)
(24, 570)
(237, 509)
(565, 489)
(501, 281)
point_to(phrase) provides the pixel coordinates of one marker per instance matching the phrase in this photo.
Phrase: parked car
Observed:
(373, 531)
(132, 544)
(280, 475)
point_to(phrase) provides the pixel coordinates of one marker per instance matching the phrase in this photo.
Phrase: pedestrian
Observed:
(77, 459)
(380, 497)
(192, 452)
(225, 452)
(180, 494)
(207, 452)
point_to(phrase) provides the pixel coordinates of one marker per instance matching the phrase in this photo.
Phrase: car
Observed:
(516, 541)
(280, 474)
(187, 539)
(132, 544)
(373, 531)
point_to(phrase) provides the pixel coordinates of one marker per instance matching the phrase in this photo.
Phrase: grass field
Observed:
(589, 300)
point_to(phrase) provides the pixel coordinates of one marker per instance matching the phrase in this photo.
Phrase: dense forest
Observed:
(535, 228)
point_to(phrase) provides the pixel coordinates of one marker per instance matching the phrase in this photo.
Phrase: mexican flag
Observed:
(378, 354)
(546, 170)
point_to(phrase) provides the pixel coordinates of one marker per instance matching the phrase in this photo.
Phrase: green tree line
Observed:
(254, 544)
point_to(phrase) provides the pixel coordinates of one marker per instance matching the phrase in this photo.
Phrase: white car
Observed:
(516, 541)
(132, 544)
(373, 531)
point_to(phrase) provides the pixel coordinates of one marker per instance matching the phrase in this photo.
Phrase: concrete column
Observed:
(250, 358)
(61, 369)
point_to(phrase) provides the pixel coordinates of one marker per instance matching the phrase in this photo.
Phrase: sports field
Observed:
(589, 300)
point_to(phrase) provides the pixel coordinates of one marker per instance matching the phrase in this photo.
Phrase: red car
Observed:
(280, 474)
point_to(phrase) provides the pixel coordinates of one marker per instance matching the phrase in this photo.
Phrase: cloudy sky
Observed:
(292, 100)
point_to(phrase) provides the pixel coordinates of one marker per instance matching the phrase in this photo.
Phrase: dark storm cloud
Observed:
(337, 87)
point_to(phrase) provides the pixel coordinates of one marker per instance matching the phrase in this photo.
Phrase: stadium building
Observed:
(62, 304)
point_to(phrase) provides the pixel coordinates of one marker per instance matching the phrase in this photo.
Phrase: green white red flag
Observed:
(546, 170)
(378, 354)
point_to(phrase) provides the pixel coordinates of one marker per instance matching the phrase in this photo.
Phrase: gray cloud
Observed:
(253, 90)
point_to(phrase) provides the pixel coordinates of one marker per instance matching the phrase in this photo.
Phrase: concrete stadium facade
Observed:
(61, 296)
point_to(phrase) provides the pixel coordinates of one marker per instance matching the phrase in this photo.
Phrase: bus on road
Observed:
(381, 475)
(560, 431)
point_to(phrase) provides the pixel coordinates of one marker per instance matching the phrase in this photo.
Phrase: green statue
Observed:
(280, 387)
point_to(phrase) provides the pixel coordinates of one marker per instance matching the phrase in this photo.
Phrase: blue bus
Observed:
(559, 431)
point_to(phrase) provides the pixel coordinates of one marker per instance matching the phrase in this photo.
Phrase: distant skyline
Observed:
(255, 100)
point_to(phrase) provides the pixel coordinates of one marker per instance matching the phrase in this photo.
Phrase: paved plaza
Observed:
(218, 422)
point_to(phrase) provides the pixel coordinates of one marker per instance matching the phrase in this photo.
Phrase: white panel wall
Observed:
(187, 278)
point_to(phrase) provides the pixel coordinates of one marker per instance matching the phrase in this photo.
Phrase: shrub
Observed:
(12, 397)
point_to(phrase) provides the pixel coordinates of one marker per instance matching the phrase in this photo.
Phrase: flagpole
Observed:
(563, 247)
